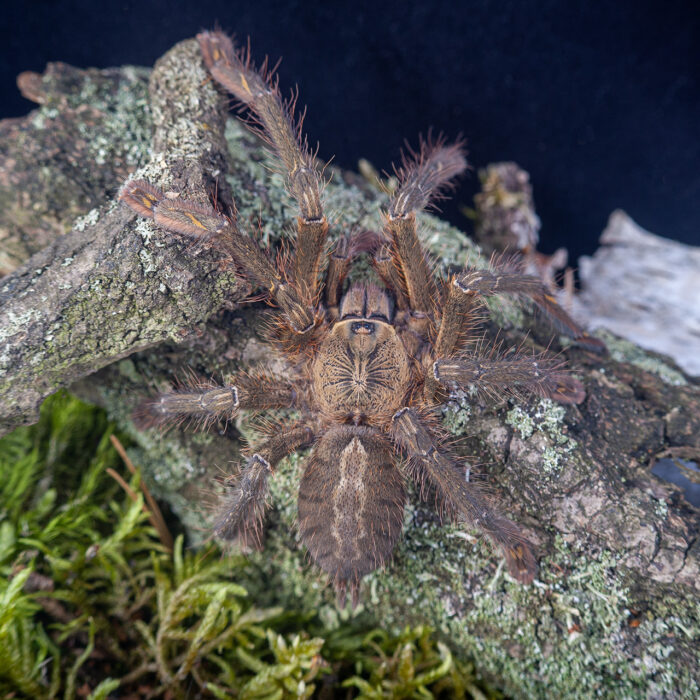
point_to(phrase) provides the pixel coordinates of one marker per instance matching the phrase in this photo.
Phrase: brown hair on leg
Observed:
(242, 510)
(510, 376)
(505, 277)
(462, 500)
(423, 175)
(205, 402)
(258, 90)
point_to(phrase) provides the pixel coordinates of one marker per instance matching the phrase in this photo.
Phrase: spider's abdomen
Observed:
(362, 372)
(351, 502)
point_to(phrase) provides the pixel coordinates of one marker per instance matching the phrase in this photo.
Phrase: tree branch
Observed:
(115, 285)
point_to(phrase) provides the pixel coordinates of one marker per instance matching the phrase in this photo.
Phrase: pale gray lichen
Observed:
(661, 508)
(456, 412)
(89, 219)
(547, 417)
(123, 133)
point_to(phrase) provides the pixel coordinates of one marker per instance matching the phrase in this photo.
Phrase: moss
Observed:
(91, 600)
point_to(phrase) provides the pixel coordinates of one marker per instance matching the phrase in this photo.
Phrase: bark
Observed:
(614, 608)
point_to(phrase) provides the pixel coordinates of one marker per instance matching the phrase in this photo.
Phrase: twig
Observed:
(154, 513)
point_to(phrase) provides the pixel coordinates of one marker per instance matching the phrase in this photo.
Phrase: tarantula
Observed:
(370, 365)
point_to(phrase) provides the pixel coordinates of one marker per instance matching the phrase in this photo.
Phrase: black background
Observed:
(598, 100)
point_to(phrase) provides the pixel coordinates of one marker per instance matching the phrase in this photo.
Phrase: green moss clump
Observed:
(91, 601)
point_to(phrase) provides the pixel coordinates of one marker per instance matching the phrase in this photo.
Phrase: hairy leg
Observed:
(507, 279)
(423, 175)
(462, 500)
(383, 262)
(206, 402)
(338, 267)
(242, 510)
(203, 223)
(344, 252)
(510, 375)
(259, 92)
(464, 304)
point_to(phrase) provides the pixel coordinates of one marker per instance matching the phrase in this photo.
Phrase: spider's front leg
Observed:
(462, 500)
(422, 177)
(259, 92)
(204, 223)
(242, 510)
(385, 265)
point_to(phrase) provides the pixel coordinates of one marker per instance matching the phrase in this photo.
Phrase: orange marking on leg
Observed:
(195, 220)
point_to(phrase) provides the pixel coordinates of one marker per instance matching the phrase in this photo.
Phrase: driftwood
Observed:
(645, 288)
(614, 609)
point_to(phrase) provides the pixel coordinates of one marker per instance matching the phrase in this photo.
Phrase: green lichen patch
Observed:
(547, 418)
(457, 412)
(573, 633)
(623, 350)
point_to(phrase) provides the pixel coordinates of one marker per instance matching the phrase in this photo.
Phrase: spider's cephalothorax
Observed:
(370, 365)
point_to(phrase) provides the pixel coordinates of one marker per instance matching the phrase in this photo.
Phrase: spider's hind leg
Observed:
(462, 500)
(242, 510)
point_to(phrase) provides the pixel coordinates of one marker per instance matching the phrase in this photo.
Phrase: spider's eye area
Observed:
(362, 327)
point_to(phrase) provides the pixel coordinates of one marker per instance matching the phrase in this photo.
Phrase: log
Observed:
(115, 310)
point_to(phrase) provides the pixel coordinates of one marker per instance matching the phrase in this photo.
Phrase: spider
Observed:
(370, 364)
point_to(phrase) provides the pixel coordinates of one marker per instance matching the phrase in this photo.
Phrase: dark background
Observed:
(598, 100)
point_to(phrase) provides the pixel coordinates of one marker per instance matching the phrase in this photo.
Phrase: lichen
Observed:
(456, 412)
(623, 350)
(561, 636)
(121, 133)
(547, 418)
